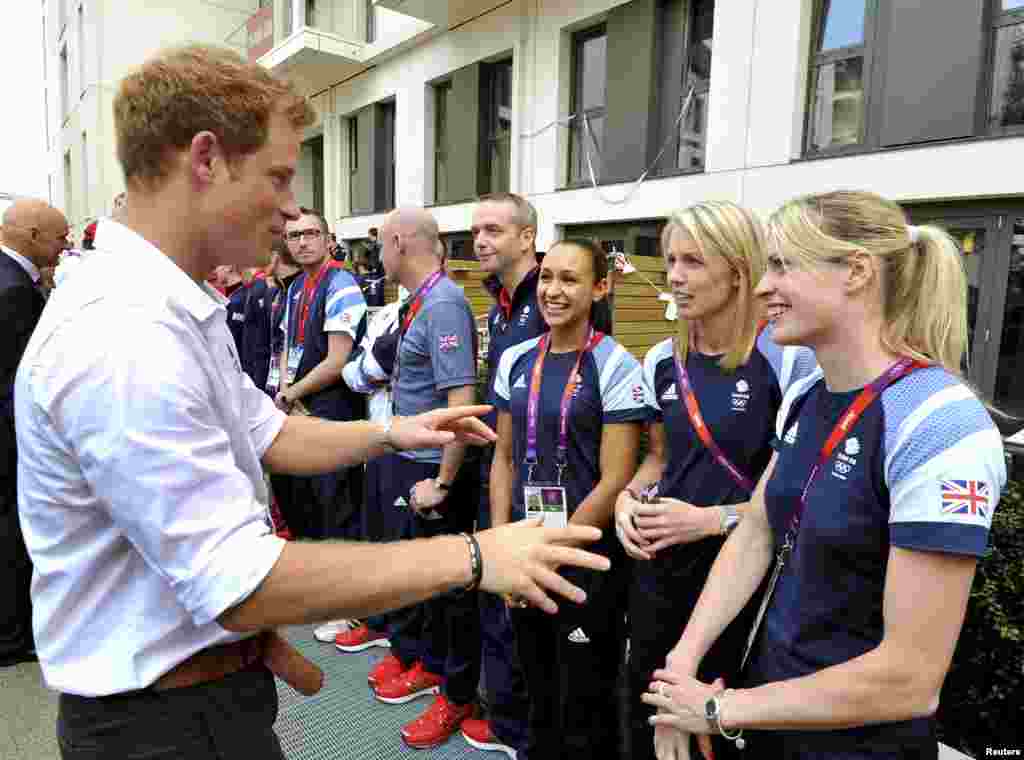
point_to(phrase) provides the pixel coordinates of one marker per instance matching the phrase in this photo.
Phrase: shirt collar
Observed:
(508, 302)
(30, 269)
(201, 301)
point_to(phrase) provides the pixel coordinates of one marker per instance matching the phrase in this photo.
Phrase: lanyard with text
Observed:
(533, 404)
(701, 428)
(849, 418)
(308, 294)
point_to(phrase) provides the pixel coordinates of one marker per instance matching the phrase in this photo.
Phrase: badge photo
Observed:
(547, 502)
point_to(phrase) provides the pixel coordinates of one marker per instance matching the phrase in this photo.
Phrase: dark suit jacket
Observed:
(21, 305)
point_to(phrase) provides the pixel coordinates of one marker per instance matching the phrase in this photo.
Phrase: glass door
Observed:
(1009, 352)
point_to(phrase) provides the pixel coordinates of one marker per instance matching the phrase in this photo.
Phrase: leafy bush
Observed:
(983, 697)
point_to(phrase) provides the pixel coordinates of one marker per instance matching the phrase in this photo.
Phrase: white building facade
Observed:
(434, 102)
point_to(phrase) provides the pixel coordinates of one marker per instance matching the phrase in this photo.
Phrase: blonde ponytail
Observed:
(926, 301)
(924, 285)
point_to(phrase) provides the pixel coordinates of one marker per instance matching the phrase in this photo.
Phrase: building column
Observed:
(411, 160)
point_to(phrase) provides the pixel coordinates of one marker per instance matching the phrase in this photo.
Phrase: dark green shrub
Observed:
(983, 697)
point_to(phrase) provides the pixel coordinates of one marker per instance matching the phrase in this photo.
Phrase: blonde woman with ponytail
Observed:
(723, 367)
(871, 515)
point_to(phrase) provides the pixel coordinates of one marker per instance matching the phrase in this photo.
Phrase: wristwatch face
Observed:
(711, 709)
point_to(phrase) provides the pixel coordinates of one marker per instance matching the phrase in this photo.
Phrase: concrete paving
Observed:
(28, 714)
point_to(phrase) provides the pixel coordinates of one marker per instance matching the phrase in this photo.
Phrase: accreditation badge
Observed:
(294, 357)
(547, 501)
(274, 376)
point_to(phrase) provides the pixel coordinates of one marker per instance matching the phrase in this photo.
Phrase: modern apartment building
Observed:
(433, 102)
(91, 44)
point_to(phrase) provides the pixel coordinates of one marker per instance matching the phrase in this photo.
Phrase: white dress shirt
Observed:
(140, 488)
(30, 269)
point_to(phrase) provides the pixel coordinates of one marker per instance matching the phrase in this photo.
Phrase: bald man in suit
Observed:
(32, 236)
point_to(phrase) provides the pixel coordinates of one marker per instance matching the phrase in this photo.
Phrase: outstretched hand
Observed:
(521, 560)
(440, 427)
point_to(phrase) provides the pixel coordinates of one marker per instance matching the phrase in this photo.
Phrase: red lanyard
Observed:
(702, 430)
(308, 294)
(849, 418)
(410, 315)
(417, 302)
(533, 403)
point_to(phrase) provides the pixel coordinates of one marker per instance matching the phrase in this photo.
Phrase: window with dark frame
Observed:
(82, 74)
(496, 153)
(1006, 105)
(695, 21)
(590, 78)
(838, 88)
(385, 163)
(353, 159)
(371, 21)
(65, 83)
(442, 187)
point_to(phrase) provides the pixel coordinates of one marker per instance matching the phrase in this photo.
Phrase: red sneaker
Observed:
(359, 638)
(414, 682)
(386, 670)
(437, 724)
(478, 733)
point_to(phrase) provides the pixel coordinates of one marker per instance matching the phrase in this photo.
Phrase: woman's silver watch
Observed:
(730, 518)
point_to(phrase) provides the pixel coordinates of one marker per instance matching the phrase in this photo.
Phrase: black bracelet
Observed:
(477, 561)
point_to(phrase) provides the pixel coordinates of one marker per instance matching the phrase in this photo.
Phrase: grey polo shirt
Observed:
(437, 353)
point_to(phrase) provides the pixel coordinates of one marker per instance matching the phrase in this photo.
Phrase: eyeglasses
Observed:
(310, 234)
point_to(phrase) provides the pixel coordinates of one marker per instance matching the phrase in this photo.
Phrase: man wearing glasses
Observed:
(325, 316)
(32, 238)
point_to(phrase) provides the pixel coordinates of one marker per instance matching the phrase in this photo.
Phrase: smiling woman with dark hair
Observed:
(570, 404)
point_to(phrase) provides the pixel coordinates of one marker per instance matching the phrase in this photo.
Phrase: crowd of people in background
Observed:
(793, 490)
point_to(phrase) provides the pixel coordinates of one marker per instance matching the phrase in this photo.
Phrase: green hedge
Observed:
(982, 702)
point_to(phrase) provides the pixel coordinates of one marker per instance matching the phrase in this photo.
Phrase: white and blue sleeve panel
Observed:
(922, 469)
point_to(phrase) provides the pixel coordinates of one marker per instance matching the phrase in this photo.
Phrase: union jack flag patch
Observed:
(966, 497)
(448, 342)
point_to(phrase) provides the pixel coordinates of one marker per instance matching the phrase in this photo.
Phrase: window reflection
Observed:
(1009, 394)
(1012, 5)
(838, 115)
(1008, 77)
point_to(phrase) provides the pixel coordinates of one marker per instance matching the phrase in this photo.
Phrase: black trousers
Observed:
(229, 718)
(443, 632)
(662, 596)
(15, 581)
(322, 506)
(571, 662)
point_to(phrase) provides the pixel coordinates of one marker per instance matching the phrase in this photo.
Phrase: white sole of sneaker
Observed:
(490, 747)
(325, 638)
(366, 645)
(432, 691)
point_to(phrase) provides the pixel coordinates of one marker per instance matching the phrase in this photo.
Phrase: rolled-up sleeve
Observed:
(153, 447)
(265, 420)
